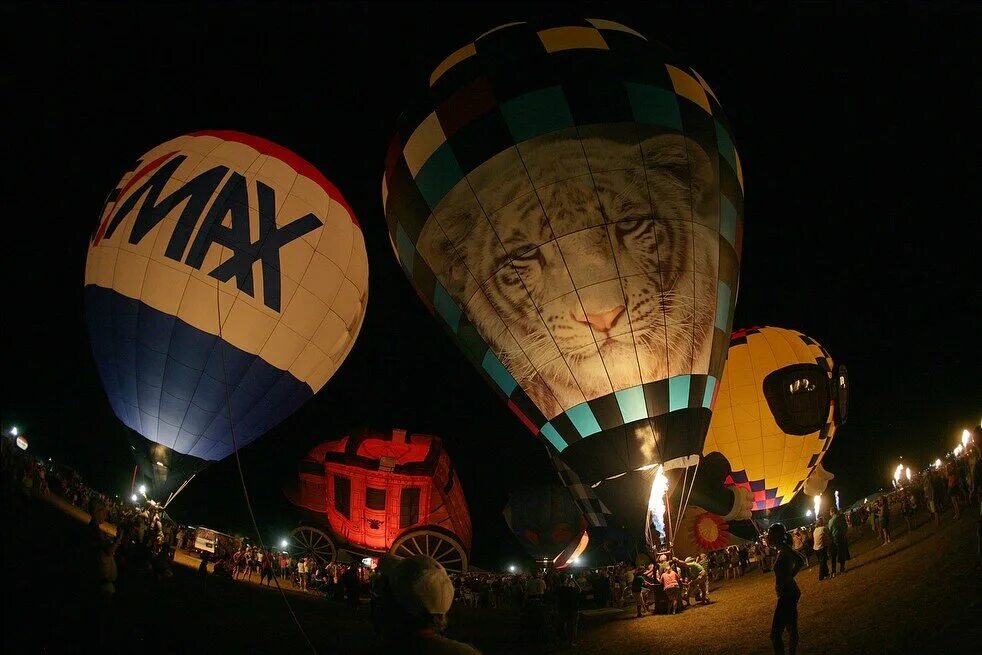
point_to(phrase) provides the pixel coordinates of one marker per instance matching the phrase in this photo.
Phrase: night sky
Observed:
(859, 140)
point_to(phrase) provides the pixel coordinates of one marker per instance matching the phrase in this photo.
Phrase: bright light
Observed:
(284, 543)
(907, 471)
(656, 501)
(13, 431)
(837, 506)
(133, 498)
(143, 489)
(966, 437)
(958, 451)
(160, 463)
(898, 472)
(22, 442)
(808, 513)
(937, 463)
(574, 561)
(512, 568)
(818, 505)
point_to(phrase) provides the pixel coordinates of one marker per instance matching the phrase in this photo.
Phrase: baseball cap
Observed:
(421, 586)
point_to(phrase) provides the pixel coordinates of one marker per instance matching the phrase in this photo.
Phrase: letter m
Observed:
(153, 210)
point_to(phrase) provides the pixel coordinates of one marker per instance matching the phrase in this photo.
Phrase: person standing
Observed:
(639, 585)
(928, 487)
(821, 548)
(699, 580)
(669, 579)
(839, 538)
(885, 519)
(788, 594)
(568, 608)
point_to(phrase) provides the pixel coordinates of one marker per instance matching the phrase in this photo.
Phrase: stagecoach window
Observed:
(409, 507)
(374, 498)
(342, 495)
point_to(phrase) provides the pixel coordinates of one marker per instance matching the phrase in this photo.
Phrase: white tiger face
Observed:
(587, 262)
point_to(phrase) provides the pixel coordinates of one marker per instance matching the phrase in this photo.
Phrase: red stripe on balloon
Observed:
(523, 418)
(295, 161)
(122, 192)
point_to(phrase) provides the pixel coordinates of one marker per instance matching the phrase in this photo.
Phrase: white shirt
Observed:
(819, 537)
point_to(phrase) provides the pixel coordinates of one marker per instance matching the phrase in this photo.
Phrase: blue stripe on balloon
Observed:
(678, 392)
(583, 419)
(167, 379)
(499, 373)
(631, 402)
(554, 437)
(707, 398)
(722, 305)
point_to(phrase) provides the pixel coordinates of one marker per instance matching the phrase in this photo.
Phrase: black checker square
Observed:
(656, 397)
(697, 390)
(480, 140)
(524, 403)
(565, 428)
(697, 124)
(607, 411)
(593, 95)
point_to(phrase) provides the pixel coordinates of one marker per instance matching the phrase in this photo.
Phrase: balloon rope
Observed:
(687, 498)
(238, 464)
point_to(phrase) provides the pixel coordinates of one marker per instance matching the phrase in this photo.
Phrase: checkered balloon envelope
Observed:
(567, 199)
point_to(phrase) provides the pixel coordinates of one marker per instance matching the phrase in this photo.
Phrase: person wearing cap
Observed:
(415, 595)
(786, 567)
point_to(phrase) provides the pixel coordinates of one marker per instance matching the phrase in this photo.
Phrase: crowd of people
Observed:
(549, 602)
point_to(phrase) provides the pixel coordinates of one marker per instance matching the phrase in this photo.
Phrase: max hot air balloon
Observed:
(780, 401)
(378, 492)
(548, 523)
(567, 199)
(226, 276)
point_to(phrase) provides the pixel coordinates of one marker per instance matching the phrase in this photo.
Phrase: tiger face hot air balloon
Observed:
(225, 272)
(779, 404)
(568, 200)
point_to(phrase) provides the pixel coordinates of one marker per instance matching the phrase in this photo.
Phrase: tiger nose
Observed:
(604, 321)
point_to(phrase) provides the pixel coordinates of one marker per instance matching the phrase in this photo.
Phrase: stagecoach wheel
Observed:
(441, 547)
(311, 542)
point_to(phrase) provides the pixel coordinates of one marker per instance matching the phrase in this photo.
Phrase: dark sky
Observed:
(859, 139)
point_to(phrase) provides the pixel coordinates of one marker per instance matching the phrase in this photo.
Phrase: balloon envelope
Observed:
(547, 522)
(225, 270)
(775, 413)
(568, 200)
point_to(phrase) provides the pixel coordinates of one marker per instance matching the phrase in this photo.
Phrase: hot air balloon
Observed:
(377, 492)
(226, 276)
(779, 404)
(567, 199)
(548, 523)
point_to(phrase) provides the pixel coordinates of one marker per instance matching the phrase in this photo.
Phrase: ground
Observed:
(921, 593)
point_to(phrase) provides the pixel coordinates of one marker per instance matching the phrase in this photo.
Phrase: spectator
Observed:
(821, 548)
(839, 538)
(415, 596)
(568, 597)
(785, 569)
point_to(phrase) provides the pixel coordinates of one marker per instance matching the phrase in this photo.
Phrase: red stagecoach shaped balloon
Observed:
(224, 270)
(389, 491)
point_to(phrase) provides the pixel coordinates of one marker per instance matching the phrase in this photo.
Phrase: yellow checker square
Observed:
(424, 142)
(557, 39)
(688, 87)
(455, 58)
(602, 24)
